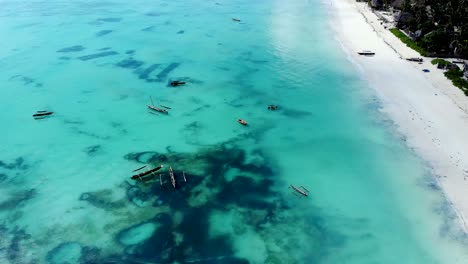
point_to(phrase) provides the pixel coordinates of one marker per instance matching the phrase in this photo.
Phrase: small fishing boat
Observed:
(242, 122)
(160, 110)
(145, 173)
(415, 59)
(300, 190)
(171, 173)
(273, 107)
(366, 53)
(157, 109)
(40, 114)
(236, 20)
(177, 83)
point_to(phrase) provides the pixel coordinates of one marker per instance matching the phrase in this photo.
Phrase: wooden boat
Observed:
(236, 20)
(177, 83)
(272, 107)
(242, 122)
(171, 173)
(300, 190)
(415, 59)
(146, 173)
(160, 110)
(42, 114)
(366, 53)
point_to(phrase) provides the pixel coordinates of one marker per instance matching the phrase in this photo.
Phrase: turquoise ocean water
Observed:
(65, 189)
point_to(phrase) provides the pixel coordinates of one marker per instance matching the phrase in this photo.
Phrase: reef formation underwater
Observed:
(228, 200)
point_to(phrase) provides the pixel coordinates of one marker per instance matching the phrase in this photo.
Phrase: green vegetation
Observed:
(442, 62)
(442, 26)
(454, 74)
(405, 39)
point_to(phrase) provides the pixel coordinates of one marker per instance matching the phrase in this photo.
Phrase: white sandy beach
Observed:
(426, 107)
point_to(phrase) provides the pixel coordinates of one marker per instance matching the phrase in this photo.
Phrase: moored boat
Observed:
(42, 114)
(300, 190)
(145, 173)
(415, 59)
(154, 108)
(273, 107)
(366, 53)
(171, 173)
(242, 122)
(177, 83)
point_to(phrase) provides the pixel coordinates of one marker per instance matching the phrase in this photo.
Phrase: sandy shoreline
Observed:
(426, 107)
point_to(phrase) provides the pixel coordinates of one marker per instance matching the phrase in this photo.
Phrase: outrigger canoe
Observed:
(143, 174)
(154, 108)
(301, 190)
(171, 173)
(366, 53)
(242, 122)
(42, 114)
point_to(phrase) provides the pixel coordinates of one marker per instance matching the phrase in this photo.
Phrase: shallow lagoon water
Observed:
(65, 189)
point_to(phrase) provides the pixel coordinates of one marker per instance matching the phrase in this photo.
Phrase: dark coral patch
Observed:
(164, 238)
(136, 234)
(153, 14)
(18, 164)
(20, 237)
(110, 19)
(68, 250)
(102, 199)
(90, 255)
(130, 52)
(144, 74)
(220, 179)
(295, 113)
(145, 157)
(198, 238)
(129, 63)
(163, 74)
(147, 29)
(3, 177)
(25, 80)
(253, 193)
(187, 238)
(103, 32)
(98, 55)
(138, 197)
(17, 199)
(89, 134)
(75, 48)
(93, 150)
(181, 32)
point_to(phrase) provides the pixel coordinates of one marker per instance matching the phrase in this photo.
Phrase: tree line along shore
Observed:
(433, 28)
